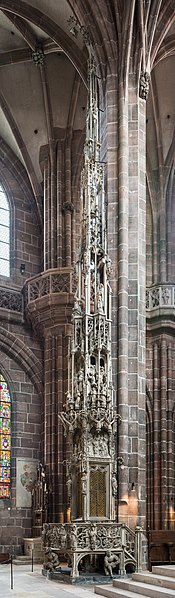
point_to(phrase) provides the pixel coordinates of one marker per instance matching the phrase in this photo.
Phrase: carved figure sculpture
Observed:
(114, 485)
(110, 562)
(81, 381)
(69, 486)
(144, 85)
(100, 299)
(84, 483)
(165, 296)
(77, 400)
(51, 561)
(91, 377)
(92, 536)
(73, 537)
(63, 537)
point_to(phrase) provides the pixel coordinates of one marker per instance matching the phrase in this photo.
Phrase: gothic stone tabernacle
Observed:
(90, 418)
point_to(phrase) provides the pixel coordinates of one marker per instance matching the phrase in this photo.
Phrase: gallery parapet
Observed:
(160, 297)
(57, 280)
(11, 299)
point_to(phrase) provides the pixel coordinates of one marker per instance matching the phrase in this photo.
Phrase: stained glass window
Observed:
(5, 438)
(4, 234)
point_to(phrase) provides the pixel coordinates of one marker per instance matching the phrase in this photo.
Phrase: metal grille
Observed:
(97, 493)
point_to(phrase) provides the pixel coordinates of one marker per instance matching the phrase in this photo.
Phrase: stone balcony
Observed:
(160, 299)
(49, 298)
(57, 280)
(160, 305)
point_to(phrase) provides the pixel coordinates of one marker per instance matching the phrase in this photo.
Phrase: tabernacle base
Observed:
(63, 574)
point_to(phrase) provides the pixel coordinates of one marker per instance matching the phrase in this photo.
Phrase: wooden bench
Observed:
(161, 547)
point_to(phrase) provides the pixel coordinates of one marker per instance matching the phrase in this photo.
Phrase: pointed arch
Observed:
(17, 350)
(4, 233)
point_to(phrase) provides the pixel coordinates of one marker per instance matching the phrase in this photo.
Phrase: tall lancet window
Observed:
(5, 438)
(4, 234)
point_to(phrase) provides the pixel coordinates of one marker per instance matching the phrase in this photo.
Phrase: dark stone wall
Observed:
(26, 436)
(20, 350)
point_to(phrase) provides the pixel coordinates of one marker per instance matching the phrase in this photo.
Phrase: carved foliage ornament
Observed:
(11, 300)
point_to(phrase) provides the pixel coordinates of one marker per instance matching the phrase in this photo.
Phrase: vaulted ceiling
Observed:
(38, 103)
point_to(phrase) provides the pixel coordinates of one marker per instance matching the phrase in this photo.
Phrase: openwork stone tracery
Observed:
(89, 418)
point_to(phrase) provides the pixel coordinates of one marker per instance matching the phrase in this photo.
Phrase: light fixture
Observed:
(22, 268)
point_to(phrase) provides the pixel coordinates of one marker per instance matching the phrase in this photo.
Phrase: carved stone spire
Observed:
(89, 417)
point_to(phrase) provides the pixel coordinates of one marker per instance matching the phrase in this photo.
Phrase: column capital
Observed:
(67, 207)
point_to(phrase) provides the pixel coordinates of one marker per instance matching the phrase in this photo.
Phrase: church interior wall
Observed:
(41, 172)
(25, 448)
(20, 351)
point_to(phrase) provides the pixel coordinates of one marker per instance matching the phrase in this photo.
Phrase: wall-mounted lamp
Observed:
(120, 462)
(22, 268)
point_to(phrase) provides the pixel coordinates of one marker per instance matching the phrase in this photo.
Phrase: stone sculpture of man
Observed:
(110, 562)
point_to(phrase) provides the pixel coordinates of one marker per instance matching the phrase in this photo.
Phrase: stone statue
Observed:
(51, 560)
(84, 483)
(77, 400)
(93, 536)
(165, 296)
(91, 376)
(69, 487)
(81, 381)
(73, 537)
(93, 396)
(104, 445)
(110, 562)
(114, 485)
(95, 444)
(54, 537)
(63, 537)
(100, 299)
(144, 85)
(69, 402)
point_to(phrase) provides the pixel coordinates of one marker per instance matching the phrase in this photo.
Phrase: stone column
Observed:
(60, 435)
(53, 207)
(47, 210)
(170, 465)
(136, 300)
(59, 205)
(48, 440)
(156, 425)
(68, 209)
(123, 302)
(163, 431)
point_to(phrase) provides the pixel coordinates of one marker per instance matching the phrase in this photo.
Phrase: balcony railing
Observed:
(52, 281)
(11, 299)
(160, 296)
(63, 281)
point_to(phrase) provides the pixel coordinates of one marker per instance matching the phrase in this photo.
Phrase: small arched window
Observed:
(5, 438)
(4, 234)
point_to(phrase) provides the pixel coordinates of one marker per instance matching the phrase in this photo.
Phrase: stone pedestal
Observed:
(34, 544)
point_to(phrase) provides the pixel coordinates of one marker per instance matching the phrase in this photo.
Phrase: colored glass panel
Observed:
(5, 438)
(4, 234)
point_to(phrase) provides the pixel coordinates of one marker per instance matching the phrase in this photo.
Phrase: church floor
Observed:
(28, 584)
